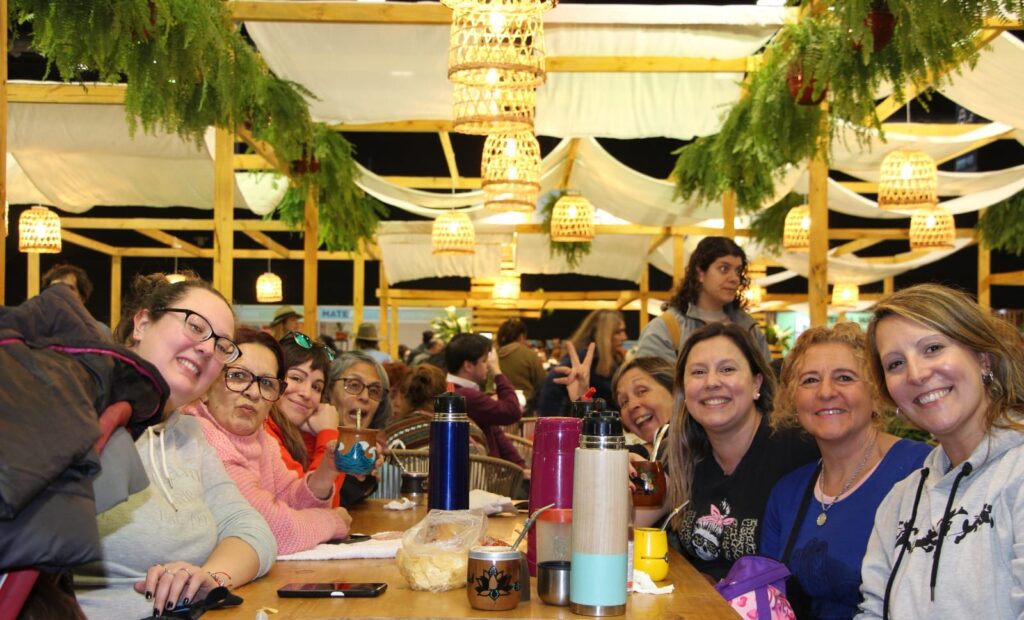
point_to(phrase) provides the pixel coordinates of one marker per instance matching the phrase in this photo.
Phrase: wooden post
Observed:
(645, 289)
(678, 257)
(385, 333)
(3, 150)
(223, 213)
(984, 271)
(393, 336)
(310, 243)
(729, 214)
(32, 285)
(115, 291)
(817, 278)
(358, 285)
(888, 285)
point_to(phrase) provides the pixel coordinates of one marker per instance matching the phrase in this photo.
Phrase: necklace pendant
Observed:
(821, 519)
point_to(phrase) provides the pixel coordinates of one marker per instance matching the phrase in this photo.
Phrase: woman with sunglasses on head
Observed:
(190, 530)
(948, 541)
(232, 414)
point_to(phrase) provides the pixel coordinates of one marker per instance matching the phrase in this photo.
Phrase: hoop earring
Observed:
(898, 413)
(987, 376)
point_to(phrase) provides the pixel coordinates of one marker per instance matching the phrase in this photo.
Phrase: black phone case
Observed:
(285, 592)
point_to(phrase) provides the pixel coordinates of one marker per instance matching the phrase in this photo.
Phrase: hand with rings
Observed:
(168, 584)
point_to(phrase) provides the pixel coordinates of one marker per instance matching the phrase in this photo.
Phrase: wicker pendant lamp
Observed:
(268, 287)
(507, 106)
(510, 171)
(453, 235)
(754, 295)
(506, 289)
(493, 44)
(796, 235)
(572, 219)
(39, 231)
(908, 180)
(845, 295)
(175, 277)
(932, 228)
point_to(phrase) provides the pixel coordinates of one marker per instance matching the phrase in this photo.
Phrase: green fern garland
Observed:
(572, 252)
(1002, 226)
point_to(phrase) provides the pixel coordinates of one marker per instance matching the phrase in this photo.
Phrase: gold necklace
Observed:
(823, 517)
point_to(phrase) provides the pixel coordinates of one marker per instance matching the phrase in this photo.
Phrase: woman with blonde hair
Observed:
(722, 456)
(819, 516)
(607, 330)
(948, 541)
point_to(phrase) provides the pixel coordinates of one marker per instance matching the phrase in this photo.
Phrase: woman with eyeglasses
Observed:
(232, 414)
(190, 530)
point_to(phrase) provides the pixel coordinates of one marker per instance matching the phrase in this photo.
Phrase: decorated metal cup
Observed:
(357, 450)
(494, 578)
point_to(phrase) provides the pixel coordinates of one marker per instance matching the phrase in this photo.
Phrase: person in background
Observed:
(607, 330)
(723, 457)
(285, 320)
(78, 280)
(404, 354)
(519, 362)
(947, 540)
(366, 341)
(413, 410)
(469, 357)
(643, 392)
(711, 292)
(827, 508)
(433, 354)
(190, 530)
(233, 414)
(396, 372)
(427, 338)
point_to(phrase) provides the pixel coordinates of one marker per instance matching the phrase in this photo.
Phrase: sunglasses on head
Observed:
(306, 342)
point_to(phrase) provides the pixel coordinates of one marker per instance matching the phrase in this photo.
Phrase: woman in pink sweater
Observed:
(232, 414)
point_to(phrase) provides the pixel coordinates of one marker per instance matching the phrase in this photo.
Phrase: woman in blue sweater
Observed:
(827, 508)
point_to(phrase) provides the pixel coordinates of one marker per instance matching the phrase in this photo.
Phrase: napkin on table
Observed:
(490, 503)
(402, 503)
(372, 548)
(643, 584)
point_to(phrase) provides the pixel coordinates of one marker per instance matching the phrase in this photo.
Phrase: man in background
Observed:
(75, 277)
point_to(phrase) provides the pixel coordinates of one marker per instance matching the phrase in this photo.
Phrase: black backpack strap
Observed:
(804, 503)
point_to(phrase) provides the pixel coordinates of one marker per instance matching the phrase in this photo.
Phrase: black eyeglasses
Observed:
(355, 385)
(239, 380)
(198, 328)
(306, 342)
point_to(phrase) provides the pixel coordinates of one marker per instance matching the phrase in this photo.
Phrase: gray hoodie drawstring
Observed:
(947, 518)
(904, 545)
(161, 482)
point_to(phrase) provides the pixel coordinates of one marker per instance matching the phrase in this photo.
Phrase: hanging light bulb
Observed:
(845, 295)
(754, 295)
(908, 180)
(506, 289)
(269, 287)
(453, 234)
(39, 231)
(932, 228)
(175, 277)
(572, 219)
(510, 171)
(796, 234)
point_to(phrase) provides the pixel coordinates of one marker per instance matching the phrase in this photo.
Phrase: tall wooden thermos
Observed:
(597, 585)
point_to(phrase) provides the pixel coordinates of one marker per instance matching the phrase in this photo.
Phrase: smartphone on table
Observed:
(332, 590)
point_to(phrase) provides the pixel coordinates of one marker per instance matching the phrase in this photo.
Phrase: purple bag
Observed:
(755, 586)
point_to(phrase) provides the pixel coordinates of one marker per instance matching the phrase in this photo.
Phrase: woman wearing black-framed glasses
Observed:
(232, 414)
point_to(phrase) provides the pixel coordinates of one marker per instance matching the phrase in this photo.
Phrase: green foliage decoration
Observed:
(767, 226)
(767, 132)
(188, 69)
(1002, 226)
(572, 252)
(450, 323)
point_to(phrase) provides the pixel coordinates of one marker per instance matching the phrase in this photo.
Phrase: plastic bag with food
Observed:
(435, 552)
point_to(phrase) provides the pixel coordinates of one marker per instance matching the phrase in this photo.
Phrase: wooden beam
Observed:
(445, 183)
(115, 291)
(339, 12)
(358, 288)
(973, 146)
(388, 346)
(223, 213)
(132, 252)
(645, 286)
(171, 241)
(264, 240)
(310, 243)
(449, 156)
(85, 242)
(263, 149)
(409, 126)
(888, 285)
(933, 130)
(135, 223)
(645, 64)
(32, 274)
(1007, 278)
(729, 213)
(999, 23)
(252, 161)
(264, 225)
(4, 208)
(851, 247)
(817, 198)
(984, 272)
(570, 161)
(97, 94)
(678, 258)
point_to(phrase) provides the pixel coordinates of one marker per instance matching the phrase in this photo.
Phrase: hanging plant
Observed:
(572, 252)
(1002, 226)
(768, 225)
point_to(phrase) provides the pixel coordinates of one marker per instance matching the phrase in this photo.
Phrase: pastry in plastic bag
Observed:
(435, 552)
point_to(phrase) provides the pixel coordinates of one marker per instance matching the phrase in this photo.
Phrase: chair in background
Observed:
(494, 475)
(526, 426)
(389, 476)
(525, 448)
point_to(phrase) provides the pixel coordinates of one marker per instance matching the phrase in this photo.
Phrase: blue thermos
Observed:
(449, 454)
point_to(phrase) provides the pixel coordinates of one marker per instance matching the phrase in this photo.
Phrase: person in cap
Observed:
(286, 319)
(366, 341)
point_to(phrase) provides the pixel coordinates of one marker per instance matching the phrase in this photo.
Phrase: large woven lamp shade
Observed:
(510, 171)
(488, 45)
(507, 106)
(39, 231)
(453, 234)
(796, 235)
(572, 219)
(845, 295)
(506, 289)
(932, 228)
(907, 181)
(268, 288)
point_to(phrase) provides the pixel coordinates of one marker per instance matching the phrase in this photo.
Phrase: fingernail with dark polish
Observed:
(156, 612)
(149, 595)
(184, 601)
(170, 604)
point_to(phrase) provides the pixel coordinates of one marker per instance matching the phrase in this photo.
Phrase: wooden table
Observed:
(693, 596)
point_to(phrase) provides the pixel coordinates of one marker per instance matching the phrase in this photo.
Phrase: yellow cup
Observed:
(650, 551)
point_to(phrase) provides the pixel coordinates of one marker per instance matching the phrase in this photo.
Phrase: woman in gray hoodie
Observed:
(948, 540)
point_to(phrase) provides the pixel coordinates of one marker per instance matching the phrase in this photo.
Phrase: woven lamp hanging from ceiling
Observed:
(796, 234)
(510, 171)
(506, 289)
(754, 295)
(907, 181)
(932, 228)
(175, 277)
(572, 219)
(39, 231)
(453, 234)
(497, 42)
(483, 110)
(845, 295)
(268, 287)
